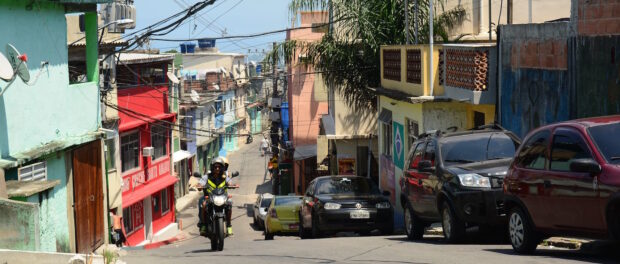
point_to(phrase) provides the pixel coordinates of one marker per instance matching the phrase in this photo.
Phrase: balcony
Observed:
(461, 72)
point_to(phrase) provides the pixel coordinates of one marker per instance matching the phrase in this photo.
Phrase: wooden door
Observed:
(88, 197)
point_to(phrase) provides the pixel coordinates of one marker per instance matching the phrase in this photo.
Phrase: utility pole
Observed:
(407, 20)
(490, 30)
(274, 96)
(415, 20)
(431, 20)
(509, 11)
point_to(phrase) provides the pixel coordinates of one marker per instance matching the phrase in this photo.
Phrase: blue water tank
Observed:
(284, 119)
(259, 68)
(206, 43)
(183, 48)
(191, 47)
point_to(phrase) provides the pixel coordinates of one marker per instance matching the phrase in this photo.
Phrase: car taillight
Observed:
(273, 213)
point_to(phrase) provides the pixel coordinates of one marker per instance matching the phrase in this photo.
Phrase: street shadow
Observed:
(254, 227)
(249, 212)
(431, 240)
(198, 251)
(575, 255)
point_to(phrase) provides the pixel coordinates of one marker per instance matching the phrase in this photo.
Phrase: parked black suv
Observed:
(456, 179)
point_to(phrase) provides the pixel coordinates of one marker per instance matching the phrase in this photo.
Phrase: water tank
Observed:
(258, 69)
(206, 43)
(191, 47)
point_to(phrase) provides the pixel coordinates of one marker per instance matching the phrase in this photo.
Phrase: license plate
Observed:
(360, 214)
(293, 226)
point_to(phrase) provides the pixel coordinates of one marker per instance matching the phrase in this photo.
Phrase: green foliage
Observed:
(348, 57)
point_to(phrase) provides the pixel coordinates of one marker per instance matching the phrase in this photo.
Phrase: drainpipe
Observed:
(369, 154)
(431, 47)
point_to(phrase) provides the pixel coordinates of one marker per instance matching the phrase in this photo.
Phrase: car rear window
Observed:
(606, 139)
(265, 202)
(288, 200)
(477, 147)
(346, 186)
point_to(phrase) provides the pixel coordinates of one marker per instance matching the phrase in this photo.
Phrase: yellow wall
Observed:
(422, 89)
(488, 110)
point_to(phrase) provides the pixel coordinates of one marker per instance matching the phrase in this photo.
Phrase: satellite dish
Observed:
(194, 96)
(173, 78)
(6, 70)
(19, 65)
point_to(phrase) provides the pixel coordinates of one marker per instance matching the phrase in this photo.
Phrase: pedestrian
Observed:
(264, 145)
(118, 230)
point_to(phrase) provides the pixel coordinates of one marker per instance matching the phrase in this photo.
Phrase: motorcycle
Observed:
(216, 215)
(249, 140)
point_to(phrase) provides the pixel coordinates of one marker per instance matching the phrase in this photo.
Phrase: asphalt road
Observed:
(248, 245)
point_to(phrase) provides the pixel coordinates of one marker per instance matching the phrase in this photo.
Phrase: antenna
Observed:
(18, 62)
(6, 70)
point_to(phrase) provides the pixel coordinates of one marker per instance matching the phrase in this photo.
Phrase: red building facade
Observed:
(145, 128)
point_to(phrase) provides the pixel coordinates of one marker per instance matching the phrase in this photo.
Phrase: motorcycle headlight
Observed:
(474, 180)
(219, 200)
(331, 206)
(383, 205)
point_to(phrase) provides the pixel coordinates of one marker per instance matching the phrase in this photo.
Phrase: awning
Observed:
(180, 155)
(147, 189)
(136, 123)
(328, 124)
(385, 116)
(304, 152)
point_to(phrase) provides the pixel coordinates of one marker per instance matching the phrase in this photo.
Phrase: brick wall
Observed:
(598, 17)
(539, 54)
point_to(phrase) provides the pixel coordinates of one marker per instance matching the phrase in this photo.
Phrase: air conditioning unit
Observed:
(275, 102)
(274, 116)
(148, 152)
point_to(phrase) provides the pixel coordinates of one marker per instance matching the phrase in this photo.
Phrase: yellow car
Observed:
(282, 216)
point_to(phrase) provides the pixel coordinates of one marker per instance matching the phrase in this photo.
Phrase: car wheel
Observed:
(316, 231)
(303, 232)
(364, 233)
(523, 237)
(414, 228)
(453, 228)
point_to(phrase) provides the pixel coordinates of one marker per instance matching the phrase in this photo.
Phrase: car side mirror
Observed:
(425, 166)
(386, 193)
(585, 166)
(235, 174)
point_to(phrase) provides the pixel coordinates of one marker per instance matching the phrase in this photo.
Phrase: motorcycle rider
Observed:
(215, 177)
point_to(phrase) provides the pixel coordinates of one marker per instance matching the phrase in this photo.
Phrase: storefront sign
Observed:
(399, 145)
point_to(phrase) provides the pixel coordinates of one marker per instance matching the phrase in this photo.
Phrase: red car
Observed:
(565, 181)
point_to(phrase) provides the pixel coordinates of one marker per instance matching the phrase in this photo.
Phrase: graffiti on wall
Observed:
(533, 97)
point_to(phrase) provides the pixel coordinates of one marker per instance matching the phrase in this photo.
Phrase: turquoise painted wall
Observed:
(51, 109)
(53, 218)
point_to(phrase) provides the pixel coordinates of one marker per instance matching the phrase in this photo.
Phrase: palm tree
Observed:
(348, 56)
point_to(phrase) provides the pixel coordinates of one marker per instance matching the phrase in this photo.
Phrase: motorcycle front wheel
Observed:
(220, 233)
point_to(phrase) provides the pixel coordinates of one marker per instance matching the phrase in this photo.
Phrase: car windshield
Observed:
(288, 200)
(265, 202)
(346, 185)
(477, 147)
(606, 139)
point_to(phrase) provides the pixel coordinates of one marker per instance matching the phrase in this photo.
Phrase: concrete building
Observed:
(145, 147)
(51, 152)
(558, 71)
(307, 102)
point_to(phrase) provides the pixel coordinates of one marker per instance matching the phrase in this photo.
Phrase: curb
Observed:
(157, 244)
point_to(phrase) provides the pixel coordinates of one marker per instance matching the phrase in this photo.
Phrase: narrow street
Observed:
(249, 246)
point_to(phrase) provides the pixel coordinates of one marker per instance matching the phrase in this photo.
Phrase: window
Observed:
(478, 119)
(387, 139)
(152, 74)
(265, 202)
(417, 156)
(110, 150)
(202, 117)
(130, 151)
(534, 152)
(567, 145)
(346, 186)
(165, 203)
(133, 217)
(413, 131)
(429, 154)
(477, 147)
(127, 220)
(33, 172)
(605, 138)
(159, 136)
(156, 198)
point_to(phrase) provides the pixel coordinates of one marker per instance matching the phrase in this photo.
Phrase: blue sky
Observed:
(237, 17)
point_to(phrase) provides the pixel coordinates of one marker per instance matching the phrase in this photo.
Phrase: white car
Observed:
(260, 209)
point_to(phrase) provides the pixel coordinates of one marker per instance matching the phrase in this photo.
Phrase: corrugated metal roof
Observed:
(116, 43)
(144, 58)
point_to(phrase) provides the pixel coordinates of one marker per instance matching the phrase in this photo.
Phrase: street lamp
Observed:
(119, 22)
